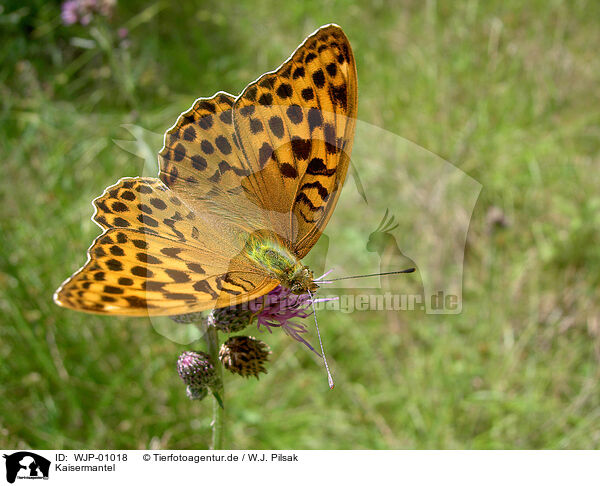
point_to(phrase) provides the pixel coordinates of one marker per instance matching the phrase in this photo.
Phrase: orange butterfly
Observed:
(245, 188)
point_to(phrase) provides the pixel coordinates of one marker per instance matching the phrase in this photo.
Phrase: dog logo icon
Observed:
(26, 465)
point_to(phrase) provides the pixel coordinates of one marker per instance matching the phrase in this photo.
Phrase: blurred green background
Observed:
(509, 91)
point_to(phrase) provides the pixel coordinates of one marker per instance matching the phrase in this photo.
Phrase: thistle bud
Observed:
(196, 369)
(188, 318)
(196, 393)
(231, 319)
(244, 355)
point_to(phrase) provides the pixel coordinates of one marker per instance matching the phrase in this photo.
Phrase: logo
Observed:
(26, 465)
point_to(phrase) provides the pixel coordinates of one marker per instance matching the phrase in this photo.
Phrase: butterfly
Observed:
(245, 188)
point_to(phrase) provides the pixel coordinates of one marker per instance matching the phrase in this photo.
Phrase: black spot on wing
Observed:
(195, 267)
(119, 207)
(285, 91)
(294, 113)
(208, 106)
(180, 296)
(339, 95)
(146, 258)
(137, 302)
(264, 154)
(298, 73)
(256, 126)
(250, 93)
(109, 289)
(207, 147)
(308, 94)
(324, 193)
(117, 250)
(265, 99)
(171, 252)
(247, 110)
(318, 78)
(223, 145)
(288, 170)
(301, 148)
(204, 286)
(315, 118)
(316, 166)
(199, 162)
(205, 122)
(276, 126)
(189, 134)
(177, 275)
(121, 223)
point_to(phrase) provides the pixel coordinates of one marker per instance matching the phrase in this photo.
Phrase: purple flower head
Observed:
(196, 369)
(279, 307)
(69, 12)
(83, 11)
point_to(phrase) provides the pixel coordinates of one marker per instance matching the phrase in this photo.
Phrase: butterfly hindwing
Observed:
(154, 258)
(201, 156)
(201, 161)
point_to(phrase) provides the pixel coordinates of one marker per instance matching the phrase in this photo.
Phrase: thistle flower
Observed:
(278, 308)
(188, 318)
(196, 369)
(225, 319)
(244, 355)
(231, 319)
(195, 392)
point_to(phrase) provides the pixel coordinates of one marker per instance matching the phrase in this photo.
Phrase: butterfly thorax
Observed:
(280, 263)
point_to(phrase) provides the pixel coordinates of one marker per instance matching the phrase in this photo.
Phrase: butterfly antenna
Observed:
(408, 270)
(329, 377)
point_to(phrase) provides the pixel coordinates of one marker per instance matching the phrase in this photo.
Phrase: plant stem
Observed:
(218, 422)
(120, 66)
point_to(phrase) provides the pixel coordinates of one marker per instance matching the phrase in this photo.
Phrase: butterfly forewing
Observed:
(296, 127)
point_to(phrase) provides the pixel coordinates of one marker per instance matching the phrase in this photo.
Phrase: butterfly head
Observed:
(301, 281)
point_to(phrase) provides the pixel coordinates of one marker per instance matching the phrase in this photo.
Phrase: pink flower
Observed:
(196, 369)
(83, 11)
(69, 12)
(279, 307)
